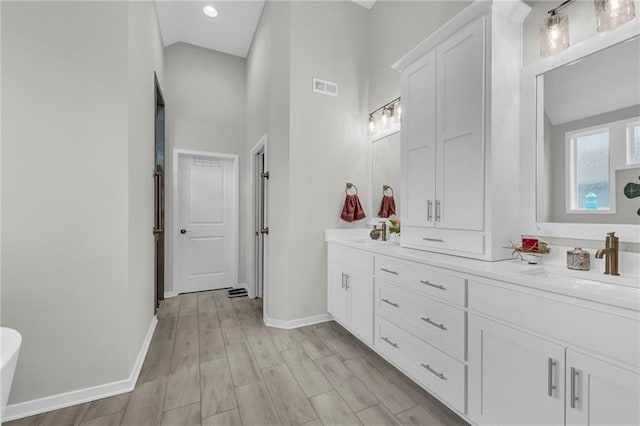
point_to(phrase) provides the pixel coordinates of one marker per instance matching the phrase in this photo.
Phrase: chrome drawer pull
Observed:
(441, 287)
(550, 385)
(389, 271)
(435, 240)
(573, 378)
(388, 302)
(431, 370)
(435, 324)
(395, 345)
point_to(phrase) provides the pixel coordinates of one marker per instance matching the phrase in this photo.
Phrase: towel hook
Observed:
(350, 186)
(385, 188)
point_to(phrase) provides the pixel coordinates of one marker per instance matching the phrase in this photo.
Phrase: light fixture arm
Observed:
(560, 7)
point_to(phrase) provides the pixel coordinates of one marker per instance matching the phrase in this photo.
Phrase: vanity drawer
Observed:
(605, 332)
(436, 323)
(433, 369)
(355, 259)
(446, 239)
(423, 279)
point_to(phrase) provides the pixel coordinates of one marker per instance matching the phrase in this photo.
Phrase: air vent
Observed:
(325, 87)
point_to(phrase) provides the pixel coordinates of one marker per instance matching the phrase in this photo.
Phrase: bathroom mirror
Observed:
(588, 138)
(385, 170)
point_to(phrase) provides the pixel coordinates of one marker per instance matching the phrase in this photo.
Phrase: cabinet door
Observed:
(514, 378)
(360, 287)
(460, 135)
(599, 393)
(337, 297)
(419, 142)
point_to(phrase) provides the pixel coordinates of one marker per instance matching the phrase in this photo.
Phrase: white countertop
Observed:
(622, 292)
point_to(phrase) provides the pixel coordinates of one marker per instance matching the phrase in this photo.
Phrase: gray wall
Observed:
(204, 93)
(317, 143)
(76, 246)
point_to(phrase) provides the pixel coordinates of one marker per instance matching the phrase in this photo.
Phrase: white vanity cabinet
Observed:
(543, 360)
(460, 91)
(350, 290)
(421, 325)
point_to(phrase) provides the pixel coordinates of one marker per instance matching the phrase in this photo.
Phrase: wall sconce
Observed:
(385, 120)
(611, 14)
(554, 31)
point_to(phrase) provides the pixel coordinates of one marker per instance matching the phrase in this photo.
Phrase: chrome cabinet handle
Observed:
(343, 280)
(437, 210)
(550, 386)
(431, 370)
(429, 215)
(435, 240)
(386, 339)
(388, 302)
(435, 324)
(388, 271)
(346, 282)
(438, 286)
(574, 376)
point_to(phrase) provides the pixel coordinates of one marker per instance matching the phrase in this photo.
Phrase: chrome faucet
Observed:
(610, 253)
(383, 229)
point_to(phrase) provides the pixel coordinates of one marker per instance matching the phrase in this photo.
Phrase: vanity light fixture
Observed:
(385, 119)
(611, 14)
(210, 11)
(554, 31)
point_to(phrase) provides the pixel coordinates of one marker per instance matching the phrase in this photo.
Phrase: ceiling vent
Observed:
(325, 87)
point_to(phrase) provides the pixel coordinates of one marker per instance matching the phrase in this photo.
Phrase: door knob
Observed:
(183, 231)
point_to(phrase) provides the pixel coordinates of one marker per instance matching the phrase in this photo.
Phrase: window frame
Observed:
(571, 200)
(630, 126)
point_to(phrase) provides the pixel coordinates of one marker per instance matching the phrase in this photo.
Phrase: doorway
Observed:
(206, 221)
(158, 195)
(260, 176)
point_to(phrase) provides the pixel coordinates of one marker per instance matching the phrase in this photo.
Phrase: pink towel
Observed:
(387, 206)
(352, 209)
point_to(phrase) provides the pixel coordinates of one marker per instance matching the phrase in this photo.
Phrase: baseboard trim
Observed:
(80, 396)
(298, 322)
(170, 294)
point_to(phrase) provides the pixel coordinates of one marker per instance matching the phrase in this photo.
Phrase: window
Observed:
(633, 143)
(590, 184)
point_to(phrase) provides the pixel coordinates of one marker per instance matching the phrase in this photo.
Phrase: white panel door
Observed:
(206, 234)
(514, 378)
(599, 393)
(419, 142)
(460, 130)
(337, 303)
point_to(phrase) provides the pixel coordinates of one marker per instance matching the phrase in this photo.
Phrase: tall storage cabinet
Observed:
(460, 91)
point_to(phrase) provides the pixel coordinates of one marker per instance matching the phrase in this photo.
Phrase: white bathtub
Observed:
(10, 341)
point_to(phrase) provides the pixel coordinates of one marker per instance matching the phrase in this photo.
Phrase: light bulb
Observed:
(384, 119)
(210, 11)
(397, 111)
(372, 126)
(611, 14)
(554, 34)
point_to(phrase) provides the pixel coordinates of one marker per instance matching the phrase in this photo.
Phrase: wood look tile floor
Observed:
(212, 361)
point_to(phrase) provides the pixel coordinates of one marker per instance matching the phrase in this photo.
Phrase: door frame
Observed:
(253, 285)
(177, 155)
(160, 206)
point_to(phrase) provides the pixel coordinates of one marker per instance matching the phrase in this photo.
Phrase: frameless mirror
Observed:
(588, 135)
(385, 170)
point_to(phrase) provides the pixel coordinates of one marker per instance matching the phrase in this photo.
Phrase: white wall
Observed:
(77, 278)
(204, 94)
(395, 27)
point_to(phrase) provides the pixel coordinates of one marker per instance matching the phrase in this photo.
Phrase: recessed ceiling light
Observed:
(210, 11)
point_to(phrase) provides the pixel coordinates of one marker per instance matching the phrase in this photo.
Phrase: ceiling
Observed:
(230, 32)
(602, 82)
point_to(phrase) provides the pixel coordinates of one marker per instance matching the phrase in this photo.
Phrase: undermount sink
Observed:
(579, 277)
